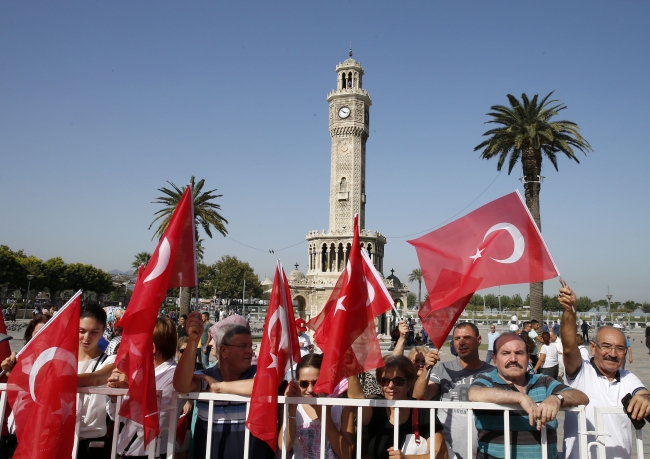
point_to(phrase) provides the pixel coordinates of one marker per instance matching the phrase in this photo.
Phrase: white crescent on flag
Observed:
(164, 252)
(517, 238)
(46, 356)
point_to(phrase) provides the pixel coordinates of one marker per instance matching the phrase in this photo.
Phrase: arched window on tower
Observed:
(343, 81)
(349, 79)
(343, 185)
(323, 266)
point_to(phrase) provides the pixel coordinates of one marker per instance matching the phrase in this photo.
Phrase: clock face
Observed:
(344, 112)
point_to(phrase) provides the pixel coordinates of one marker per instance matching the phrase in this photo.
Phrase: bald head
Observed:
(606, 330)
(505, 338)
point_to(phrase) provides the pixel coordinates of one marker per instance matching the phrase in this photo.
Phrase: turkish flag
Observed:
(345, 328)
(172, 265)
(5, 351)
(279, 349)
(497, 244)
(42, 387)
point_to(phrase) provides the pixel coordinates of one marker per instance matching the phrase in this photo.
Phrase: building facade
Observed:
(328, 251)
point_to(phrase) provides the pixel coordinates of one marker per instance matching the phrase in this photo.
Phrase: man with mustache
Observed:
(603, 380)
(450, 381)
(510, 383)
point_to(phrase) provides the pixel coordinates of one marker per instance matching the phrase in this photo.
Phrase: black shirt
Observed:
(181, 331)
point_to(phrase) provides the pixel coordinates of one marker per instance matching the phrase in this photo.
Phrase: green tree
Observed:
(141, 258)
(54, 276)
(527, 133)
(411, 300)
(416, 275)
(551, 303)
(229, 276)
(476, 300)
(583, 304)
(646, 307)
(87, 277)
(206, 216)
(516, 301)
(491, 301)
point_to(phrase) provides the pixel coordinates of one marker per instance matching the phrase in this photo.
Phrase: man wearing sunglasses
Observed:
(450, 381)
(603, 380)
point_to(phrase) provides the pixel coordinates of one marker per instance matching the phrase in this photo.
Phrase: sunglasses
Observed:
(180, 351)
(397, 382)
(305, 384)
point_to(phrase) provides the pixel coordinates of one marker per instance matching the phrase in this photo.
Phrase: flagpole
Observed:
(196, 274)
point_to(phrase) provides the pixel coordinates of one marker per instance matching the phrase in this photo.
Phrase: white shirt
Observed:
(551, 355)
(602, 392)
(304, 341)
(93, 407)
(560, 350)
(584, 353)
(164, 382)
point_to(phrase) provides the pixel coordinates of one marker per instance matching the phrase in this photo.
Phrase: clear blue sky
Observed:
(102, 102)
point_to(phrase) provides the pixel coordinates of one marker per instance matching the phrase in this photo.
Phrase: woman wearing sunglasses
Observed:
(396, 378)
(304, 422)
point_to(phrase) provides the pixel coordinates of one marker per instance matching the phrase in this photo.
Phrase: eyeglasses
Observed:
(606, 347)
(397, 382)
(242, 346)
(305, 384)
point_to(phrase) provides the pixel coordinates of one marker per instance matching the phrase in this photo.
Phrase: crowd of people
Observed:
(540, 371)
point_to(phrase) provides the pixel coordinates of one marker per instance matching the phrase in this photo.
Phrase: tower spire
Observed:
(350, 53)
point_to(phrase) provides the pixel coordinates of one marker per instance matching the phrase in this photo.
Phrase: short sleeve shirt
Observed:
(454, 382)
(602, 392)
(532, 334)
(525, 439)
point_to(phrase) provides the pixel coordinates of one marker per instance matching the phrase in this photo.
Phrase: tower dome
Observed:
(296, 275)
(394, 278)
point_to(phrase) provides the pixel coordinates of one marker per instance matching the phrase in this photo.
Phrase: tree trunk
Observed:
(419, 293)
(532, 168)
(186, 295)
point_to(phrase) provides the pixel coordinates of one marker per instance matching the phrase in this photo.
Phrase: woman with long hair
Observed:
(303, 428)
(548, 363)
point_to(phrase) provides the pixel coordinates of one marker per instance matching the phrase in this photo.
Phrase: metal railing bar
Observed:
(323, 431)
(208, 429)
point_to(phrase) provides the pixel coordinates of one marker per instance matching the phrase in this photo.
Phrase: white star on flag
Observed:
(339, 305)
(477, 255)
(65, 410)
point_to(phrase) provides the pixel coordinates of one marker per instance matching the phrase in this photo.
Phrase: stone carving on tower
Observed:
(349, 128)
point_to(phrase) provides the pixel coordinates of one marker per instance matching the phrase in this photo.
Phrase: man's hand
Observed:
(530, 407)
(118, 380)
(432, 357)
(567, 298)
(395, 453)
(194, 327)
(639, 406)
(547, 411)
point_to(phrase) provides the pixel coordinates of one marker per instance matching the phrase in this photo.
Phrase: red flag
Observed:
(279, 347)
(497, 244)
(172, 265)
(345, 328)
(5, 351)
(43, 387)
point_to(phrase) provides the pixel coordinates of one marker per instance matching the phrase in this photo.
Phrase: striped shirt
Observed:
(224, 412)
(525, 440)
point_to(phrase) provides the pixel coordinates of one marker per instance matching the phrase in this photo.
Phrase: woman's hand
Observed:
(187, 407)
(118, 380)
(9, 363)
(395, 453)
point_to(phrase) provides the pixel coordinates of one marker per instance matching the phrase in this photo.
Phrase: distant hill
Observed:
(117, 271)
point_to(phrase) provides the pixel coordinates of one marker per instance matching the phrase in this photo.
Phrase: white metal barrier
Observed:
(210, 398)
(600, 433)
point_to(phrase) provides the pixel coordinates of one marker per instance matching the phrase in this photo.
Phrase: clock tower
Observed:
(328, 251)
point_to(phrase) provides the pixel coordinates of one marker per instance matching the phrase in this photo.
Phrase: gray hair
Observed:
(231, 331)
(596, 340)
(221, 331)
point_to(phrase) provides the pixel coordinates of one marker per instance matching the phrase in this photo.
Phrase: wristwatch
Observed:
(561, 399)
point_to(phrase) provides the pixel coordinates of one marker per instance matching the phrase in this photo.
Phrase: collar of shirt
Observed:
(599, 373)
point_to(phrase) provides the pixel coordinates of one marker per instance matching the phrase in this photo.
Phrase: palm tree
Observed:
(141, 258)
(527, 133)
(416, 275)
(206, 216)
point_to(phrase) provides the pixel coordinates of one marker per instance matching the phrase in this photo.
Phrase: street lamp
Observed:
(29, 281)
(609, 307)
